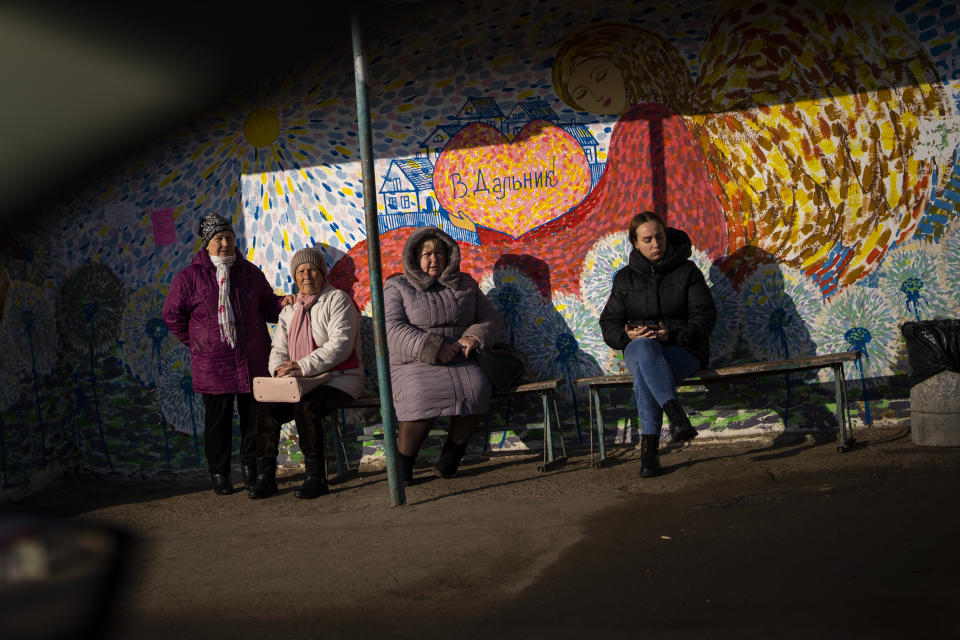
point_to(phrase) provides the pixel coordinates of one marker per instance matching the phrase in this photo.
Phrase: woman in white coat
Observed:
(318, 336)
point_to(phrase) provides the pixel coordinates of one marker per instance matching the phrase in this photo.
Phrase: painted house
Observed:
(483, 110)
(528, 111)
(433, 144)
(408, 186)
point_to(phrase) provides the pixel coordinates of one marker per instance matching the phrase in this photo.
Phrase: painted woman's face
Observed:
(597, 86)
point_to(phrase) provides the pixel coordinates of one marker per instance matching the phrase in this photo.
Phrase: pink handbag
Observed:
(268, 389)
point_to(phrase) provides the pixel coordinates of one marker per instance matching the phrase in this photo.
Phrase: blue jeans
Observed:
(656, 370)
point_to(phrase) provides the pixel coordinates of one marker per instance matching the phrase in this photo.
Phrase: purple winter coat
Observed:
(191, 313)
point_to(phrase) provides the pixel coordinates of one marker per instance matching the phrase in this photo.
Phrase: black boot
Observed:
(221, 483)
(315, 480)
(680, 425)
(266, 482)
(249, 475)
(650, 456)
(406, 467)
(449, 459)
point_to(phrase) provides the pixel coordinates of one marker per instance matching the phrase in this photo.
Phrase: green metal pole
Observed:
(397, 496)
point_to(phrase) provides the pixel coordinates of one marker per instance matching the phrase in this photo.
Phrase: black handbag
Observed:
(504, 365)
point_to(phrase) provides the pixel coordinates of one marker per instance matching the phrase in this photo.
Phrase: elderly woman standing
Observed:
(436, 317)
(218, 307)
(317, 337)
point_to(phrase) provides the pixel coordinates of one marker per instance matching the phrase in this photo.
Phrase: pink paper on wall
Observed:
(164, 230)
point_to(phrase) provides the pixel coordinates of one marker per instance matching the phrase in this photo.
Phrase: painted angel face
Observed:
(597, 86)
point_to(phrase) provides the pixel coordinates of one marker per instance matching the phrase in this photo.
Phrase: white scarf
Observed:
(228, 329)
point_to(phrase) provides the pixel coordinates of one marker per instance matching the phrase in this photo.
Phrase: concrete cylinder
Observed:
(935, 411)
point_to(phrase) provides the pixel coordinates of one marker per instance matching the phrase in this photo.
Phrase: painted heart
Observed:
(515, 186)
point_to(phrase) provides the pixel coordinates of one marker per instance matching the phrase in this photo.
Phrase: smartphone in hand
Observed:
(634, 324)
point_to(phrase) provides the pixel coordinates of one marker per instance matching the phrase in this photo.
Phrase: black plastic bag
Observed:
(933, 346)
(503, 364)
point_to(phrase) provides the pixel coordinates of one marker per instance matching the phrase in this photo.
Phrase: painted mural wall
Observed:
(807, 148)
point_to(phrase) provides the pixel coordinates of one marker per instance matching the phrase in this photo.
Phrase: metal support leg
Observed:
(550, 461)
(598, 419)
(843, 409)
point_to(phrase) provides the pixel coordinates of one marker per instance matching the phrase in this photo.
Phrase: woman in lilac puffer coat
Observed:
(219, 306)
(436, 317)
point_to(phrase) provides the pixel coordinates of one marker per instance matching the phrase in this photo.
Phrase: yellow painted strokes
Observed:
(871, 241)
(303, 174)
(233, 189)
(786, 195)
(405, 107)
(250, 254)
(170, 177)
(266, 200)
(589, 264)
(324, 212)
(502, 60)
(263, 179)
(290, 188)
(303, 225)
(286, 241)
(347, 191)
(892, 183)
(817, 256)
(340, 236)
(396, 84)
(446, 82)
(802, 198)
(828, 146)
(302, 157)
(277, 187)
(913, 167)
(345, 152)
(209, 172)
(201, 198)
(887, 136)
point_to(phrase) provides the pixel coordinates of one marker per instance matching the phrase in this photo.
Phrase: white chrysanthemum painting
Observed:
(779, 304)
(909, 280)
(860, 318)
(144, 334)
(182, 408)
(564, 340)
(948, 267)
(516, 297)
(723, 340)
(608, 255)
(11, 383)
(30, 320)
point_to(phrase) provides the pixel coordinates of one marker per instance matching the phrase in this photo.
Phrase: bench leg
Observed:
(597, 418)
(343, 462)
(843, 409)
(549, 460)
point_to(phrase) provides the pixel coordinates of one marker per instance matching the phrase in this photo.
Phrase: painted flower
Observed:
(30, 321)
(90, 301)
(564, 340)
(517, 299)
(11, 382)
(144, 334)
(860, 318)
(909, 279)
(723, 340)
(182, 408)
(948, 266)
(608, 255)
(778, 305)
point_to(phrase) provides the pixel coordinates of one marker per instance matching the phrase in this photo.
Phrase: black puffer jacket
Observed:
(671, 291)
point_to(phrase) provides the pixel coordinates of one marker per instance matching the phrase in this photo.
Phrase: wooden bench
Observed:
(551, 420)
(724, 374)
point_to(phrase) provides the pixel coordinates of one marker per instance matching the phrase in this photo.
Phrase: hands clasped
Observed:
(646, 332)
(465, 345)
(288, 370)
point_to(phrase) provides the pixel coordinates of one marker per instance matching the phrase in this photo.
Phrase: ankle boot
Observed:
(450, 458)
(221, 483)
(650, 456)
(315, 480)
(266, 483)
(680, 425)
(249, 475)
(406, 467)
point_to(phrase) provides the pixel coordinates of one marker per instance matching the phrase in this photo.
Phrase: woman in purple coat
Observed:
(219, 306)
(436, 317)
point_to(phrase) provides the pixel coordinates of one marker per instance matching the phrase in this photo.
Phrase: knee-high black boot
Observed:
(315, 480)
(266, 483)
(221, 483)
(650, 456)
(449, 459)
(406, 467)
(680, 425)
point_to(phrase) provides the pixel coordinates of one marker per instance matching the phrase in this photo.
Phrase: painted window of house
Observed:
(439, 138)
(405, 202)
(392, 202)
(396, 183)
(589, 151)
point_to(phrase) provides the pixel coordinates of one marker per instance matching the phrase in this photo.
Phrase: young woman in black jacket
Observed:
(660, 314)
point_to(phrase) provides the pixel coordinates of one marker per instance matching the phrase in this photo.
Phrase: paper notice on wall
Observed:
(164, 229)
(121, 215)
